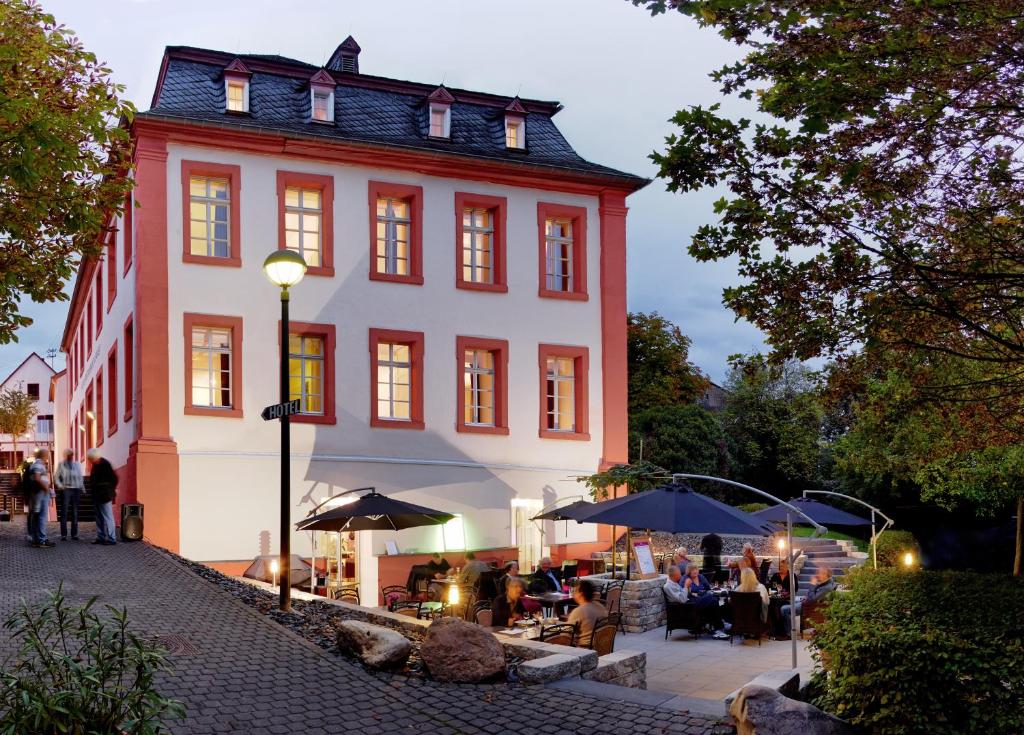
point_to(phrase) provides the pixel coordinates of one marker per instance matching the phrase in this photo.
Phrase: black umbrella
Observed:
(823, 513)
(672, 508)
(565, 513)
(374, 512)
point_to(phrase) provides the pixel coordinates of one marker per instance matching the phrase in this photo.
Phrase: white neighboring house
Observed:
(459, 341)
(32, 376)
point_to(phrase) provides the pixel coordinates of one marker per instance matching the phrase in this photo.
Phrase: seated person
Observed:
(508, 607)
(749, 583)
(736, 568)
(695, 583)
(545, 578)
(699, 591)
(438, 566)
(780, 580)
(822, 584)
(588, 612)
(512, 572)
(673, 586)
(470, 573)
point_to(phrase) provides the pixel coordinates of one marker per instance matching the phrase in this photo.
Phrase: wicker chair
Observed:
(613, 599)
(762, 574)
(746, 615)
(602, 639)
(681, 616)
(812, 614)
(563, 634)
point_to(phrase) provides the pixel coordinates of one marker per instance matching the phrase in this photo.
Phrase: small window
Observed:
(209, 213)
(306, 372)
(394, 381)
(515, 132)
(393, 230)
(559, 255)
(303, 223)
(564, 392)
(440, 121)
(32, 389)
(323, 105)
(237, 95)
(478, 245)
(479, 388)
(561, 394)
(211, 367)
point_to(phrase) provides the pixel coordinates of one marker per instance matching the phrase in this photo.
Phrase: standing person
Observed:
(103, 486)
(69, 482)
(39, 499)
(711, 548)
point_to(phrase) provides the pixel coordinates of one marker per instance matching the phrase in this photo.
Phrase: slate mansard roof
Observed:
(368, 110)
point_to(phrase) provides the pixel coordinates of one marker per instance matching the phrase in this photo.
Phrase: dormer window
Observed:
(440, 121)
(236, 87)
(321, 97)
(515, 125)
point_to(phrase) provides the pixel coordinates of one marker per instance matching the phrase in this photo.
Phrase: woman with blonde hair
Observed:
(749, 583)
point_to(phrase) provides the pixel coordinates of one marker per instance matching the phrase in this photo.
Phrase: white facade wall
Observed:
(35, 371)
(229, 467)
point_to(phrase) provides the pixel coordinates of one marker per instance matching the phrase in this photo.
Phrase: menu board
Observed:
(644, 559)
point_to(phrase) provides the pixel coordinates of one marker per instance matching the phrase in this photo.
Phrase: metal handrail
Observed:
(874, 536)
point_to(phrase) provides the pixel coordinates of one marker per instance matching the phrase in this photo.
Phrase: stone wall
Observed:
(665, 543)
(643, 605)
(622, 668)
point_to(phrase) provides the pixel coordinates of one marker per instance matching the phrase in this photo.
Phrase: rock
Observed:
(457, 651)
(760, 710)
(374, 645)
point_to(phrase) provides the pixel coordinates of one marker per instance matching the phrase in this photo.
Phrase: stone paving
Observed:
(240, 672)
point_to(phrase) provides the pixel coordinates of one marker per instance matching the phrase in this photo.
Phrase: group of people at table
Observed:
(514, 599)
(687, 584)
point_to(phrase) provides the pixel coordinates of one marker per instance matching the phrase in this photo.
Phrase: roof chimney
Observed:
(346, 57)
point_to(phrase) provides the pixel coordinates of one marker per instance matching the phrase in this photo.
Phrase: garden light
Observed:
(273, 571)
(908, 559)
(453, 595)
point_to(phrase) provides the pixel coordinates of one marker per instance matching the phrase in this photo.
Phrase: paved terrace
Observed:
(237, 671)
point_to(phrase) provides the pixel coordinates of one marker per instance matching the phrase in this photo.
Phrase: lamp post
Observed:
(285, 268)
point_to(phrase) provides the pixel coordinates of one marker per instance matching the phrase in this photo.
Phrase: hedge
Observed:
(924, 652)
(753, 507)
(892, 545)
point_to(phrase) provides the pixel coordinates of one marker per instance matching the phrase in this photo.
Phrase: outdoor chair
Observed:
(762, 575)
(602, 639)
(563, 634)
(615, 619)
(812, 614)
(407, 607)
(347, 594)
(487, 585)
(569, 570)
(746, 615)
(484, 617)
(613, 597)
(681, 616)
(393, 593)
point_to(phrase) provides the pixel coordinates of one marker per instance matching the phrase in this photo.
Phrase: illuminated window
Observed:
(440, 121)
(478, 245)
(306, 372)
(558, 246)
(454, 533)
(561, 394)
(394, 381)
(303, 219)
(209, 210)
(515, 132)
(479, 388)
(237, 95)
(323, 105)
(211, 367)
(393, 228)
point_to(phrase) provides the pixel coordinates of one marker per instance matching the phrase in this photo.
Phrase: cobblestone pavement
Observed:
(241, 672)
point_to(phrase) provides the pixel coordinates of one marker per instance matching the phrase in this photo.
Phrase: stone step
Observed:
(824, 551)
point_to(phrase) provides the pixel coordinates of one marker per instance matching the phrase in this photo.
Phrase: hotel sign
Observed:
(280, 410)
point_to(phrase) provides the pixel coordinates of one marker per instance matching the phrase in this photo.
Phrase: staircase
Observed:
(836, 555)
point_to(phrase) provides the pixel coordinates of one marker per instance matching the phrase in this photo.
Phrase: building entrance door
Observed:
(526, 535)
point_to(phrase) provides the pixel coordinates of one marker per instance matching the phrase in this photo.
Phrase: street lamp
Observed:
(285, 268)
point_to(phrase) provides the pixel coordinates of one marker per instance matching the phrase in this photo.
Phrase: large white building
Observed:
(33, 377)
(459, 340)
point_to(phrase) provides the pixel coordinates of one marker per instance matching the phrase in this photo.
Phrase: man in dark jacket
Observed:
(711, 548)
(545, 578)
(103, 487)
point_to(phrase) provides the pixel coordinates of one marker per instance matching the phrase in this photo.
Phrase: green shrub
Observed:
(753, 507)
(76, 672)
(892, 545)
(925, 652)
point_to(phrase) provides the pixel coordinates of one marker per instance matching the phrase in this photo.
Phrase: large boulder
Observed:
(374, 645)
(457, 651)
(759, 710)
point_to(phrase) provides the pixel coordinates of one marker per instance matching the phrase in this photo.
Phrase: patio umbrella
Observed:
(823, 513)
(374, 512)
(565, 513)
(672, 508)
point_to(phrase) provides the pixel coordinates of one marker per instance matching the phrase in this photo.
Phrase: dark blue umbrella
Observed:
(565, 513)
(823, 513)
(672, 508)
(374, 512)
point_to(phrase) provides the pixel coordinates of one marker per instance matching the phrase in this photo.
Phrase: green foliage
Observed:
(660, 371)
(892, 545)
(81, 673)
(64, 157)
(17, 412)
(753, 507)
(635, 477)
(772, 423)
(925, 652)
(682, 438)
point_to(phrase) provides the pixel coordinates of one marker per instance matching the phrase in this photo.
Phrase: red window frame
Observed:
(128, 225)
(328, 333)
(578, 215)
(414, 194)
(499, 206)
(234, 323)
(234, 176)
(101, 432)
(581, 396)
(415, 341)
(112, 390)
(98, 302)
(498, 348)
(111, 270)
(129, 368)
(325, 184)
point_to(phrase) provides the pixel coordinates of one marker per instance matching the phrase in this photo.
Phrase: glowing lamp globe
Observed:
(284, 268)
(908, 559)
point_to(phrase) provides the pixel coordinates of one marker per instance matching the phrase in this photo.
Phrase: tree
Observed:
(17, 411)
(683, 438)
(880, 197)
(773, 425)
(64, 157)
(660, 371)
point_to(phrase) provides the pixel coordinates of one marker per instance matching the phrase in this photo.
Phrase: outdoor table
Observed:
(429, 608)
(549, 601)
